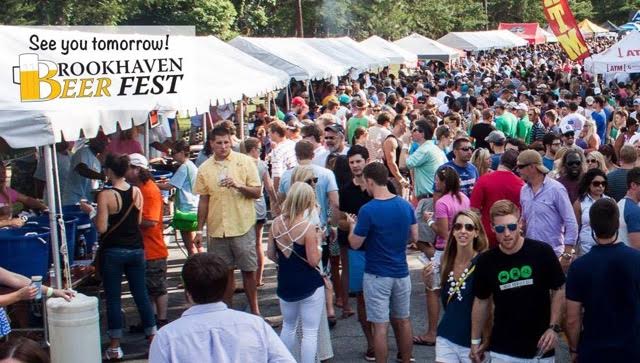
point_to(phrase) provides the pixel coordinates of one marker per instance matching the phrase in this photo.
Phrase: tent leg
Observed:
(48, 159)
(242, 119)
(146, 137)
(288, 95)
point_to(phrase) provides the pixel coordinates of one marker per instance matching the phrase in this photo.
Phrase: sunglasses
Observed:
(376, 110)
(312, 181)
(501, 228)
(592, 161)
(468, 226)
(599, 184)
(574, 163)
(465, 148)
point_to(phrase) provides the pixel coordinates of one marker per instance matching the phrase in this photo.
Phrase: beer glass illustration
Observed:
(29, 76)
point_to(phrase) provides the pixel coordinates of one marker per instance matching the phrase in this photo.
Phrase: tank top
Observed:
(398, 152)
(297, 280)
(128, 234)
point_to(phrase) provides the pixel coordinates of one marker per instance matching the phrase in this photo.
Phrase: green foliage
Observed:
(358, 19)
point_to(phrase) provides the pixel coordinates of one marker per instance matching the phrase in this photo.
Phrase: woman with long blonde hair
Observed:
(481, 158)
(595, 160)
(590, 136)
(294, 244)
(465, 243)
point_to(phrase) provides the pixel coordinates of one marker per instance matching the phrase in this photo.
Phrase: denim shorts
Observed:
(386, 297)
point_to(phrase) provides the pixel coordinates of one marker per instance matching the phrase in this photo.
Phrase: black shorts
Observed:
(156, 277)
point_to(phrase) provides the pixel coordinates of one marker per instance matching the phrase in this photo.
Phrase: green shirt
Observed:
(507, 123)
(523, 130)
(353, 124)
(425, 161)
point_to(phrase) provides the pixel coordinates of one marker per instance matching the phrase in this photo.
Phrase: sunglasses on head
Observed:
(500, 228)
(468, 226)
(599, 184)
(312, 181)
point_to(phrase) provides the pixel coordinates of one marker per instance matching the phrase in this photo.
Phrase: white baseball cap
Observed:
(139, 160)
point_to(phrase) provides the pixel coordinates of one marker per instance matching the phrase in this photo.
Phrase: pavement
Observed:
(347, 338)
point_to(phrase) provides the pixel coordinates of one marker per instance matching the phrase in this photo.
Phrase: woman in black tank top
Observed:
(118, 222)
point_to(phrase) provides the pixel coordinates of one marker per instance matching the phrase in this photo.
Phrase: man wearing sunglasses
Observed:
(547, 212)
(461, 163)
(526, 282)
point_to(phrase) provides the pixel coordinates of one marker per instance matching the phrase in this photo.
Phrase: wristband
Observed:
(49, 291)
(431, 222)
(476, 341)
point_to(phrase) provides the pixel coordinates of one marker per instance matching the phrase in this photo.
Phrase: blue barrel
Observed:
(85, 225)
(70, 223)
(25, 250)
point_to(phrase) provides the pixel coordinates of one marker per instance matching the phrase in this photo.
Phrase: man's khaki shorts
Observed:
(238, 252)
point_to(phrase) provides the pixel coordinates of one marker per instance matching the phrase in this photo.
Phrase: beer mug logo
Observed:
(31, 74)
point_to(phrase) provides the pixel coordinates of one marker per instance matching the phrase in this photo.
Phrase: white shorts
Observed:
(503, 358)
(449, 352)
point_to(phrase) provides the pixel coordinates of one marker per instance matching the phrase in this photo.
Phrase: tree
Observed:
(615, 10)
(210, 17)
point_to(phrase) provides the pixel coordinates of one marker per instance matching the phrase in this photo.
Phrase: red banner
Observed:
(564, 26)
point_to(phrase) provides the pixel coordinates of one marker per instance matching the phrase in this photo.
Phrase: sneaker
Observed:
(113, 354)
(399, 359)
(370, 356)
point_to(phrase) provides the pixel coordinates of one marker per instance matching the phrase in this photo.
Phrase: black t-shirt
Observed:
(520, 285)
(606, 281)
(479, 132)
(352, 198)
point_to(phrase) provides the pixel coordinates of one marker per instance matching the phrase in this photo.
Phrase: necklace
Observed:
(456, 286)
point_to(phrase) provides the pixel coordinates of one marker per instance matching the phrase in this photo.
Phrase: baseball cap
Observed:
(487, 80)
(636, 102)
(567, 129)
(495, 136)
(590, 100)
(529, 157)
(139, 160)
(338, 129)
(522, 107)
(297, 101)
(344, 98)
(512, 105)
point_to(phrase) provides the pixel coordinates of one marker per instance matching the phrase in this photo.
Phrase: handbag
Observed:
(185, 221)
(97, 259)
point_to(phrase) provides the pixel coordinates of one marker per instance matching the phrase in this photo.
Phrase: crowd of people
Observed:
(514, 175)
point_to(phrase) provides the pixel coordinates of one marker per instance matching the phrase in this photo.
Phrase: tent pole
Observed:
(311, 94)
(60, 219)
(204, 128)
(52, 216)
(146, 136)
(242, 118)
(268, 102)
(288, 95)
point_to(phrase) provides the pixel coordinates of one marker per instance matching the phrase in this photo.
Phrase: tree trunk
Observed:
(299, 26)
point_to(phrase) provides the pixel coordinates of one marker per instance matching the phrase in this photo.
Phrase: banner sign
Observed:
(67, 68)
(564, 26)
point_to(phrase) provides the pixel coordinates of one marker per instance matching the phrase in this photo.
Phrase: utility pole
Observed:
(299, 26)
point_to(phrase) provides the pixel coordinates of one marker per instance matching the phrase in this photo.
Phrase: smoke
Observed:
(335, 16)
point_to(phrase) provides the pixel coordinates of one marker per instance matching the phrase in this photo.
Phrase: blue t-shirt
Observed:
(79, 187)
(600, 118)
(184, 179)
(606, 281)
(385, 225)
(326, 183)
(629, 219)
(495, 161)
(548, 163)
(468, 176)
(455, 325)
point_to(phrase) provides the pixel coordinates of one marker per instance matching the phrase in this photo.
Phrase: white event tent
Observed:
(298, 59)
(394, 53)
(340, 50)
(427, 49)
(482, 40)
(622, 57)
(381, 61)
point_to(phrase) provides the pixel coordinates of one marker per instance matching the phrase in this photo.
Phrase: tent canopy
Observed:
(610, 26)
(233, 76)
(482, 40)
(531, 32)
(629, 27)
(346, 54)
(381, 61)
(623, 57)
(587, 27)
(394, 53)
(426, 48)
(548, 36)
(298, 59)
